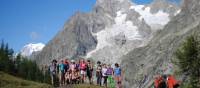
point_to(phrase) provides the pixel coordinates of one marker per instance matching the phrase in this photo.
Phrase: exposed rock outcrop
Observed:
(143, 63)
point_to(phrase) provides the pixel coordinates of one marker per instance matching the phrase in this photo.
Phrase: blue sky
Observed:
(34, 21)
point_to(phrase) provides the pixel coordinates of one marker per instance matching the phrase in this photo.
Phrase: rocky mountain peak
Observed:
(165, 5)
(109, 31)
(191, 6)
(112, 6)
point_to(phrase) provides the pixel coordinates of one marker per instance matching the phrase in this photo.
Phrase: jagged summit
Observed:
(112, 6)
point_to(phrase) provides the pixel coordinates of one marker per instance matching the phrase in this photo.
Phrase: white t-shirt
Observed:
(104, 71)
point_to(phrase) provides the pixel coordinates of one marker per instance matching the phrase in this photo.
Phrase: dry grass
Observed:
(8, 81)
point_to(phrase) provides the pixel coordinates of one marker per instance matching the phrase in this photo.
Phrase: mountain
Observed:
(143, 63)
(112, 29)
(31, 48)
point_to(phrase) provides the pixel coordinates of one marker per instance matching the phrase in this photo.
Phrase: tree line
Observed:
(21, 66)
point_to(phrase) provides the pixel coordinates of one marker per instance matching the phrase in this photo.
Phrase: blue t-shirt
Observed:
(62, 67)
(117, 71)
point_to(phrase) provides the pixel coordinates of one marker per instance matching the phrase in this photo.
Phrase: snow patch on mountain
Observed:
(177, 12)
(28, 49)
(159, 18)
(121, 26)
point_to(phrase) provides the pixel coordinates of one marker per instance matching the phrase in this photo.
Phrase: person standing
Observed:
(73, 69)
(66, 67)
(83, 70)
(104, 74)
(89, 71)
(109, 73)
(172, 82)
(62, 72)
(118, 75)
(99, 73)
(66, 63)
(53, 72)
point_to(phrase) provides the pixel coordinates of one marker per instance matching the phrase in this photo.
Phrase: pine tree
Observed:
(6, 54)
(188, 56)
(20, 66)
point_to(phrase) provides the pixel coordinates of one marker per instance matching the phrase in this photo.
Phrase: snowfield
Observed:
(160, 18)
(121, 26)
(28, 49)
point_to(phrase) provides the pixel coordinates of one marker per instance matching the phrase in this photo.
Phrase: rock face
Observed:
(143, 63)
(112, 29)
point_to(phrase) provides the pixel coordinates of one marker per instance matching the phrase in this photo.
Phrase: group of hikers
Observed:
(166, 81)
(75, 72)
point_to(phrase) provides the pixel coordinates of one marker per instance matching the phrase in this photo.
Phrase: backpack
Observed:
(66, 67)
(163, 82)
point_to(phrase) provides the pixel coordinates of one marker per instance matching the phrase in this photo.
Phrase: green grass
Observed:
(87, 86)
(9, 81)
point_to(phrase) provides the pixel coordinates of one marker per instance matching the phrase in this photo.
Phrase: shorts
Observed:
(83, 72)
(117, 74)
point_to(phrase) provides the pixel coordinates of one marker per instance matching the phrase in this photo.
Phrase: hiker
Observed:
(104, 70)
(98, 73)
(118, 75)
(78, 65)
(89, 70)
(62, 72)
(166, 81)
(67, 77)
(73, 77)
(163, 82)
(53, 72)
(72, 70)
(172, 82)
(83, 70)
(109, 73)
(72, 66)
(66, 63)
(156, 81)
(77, 76)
